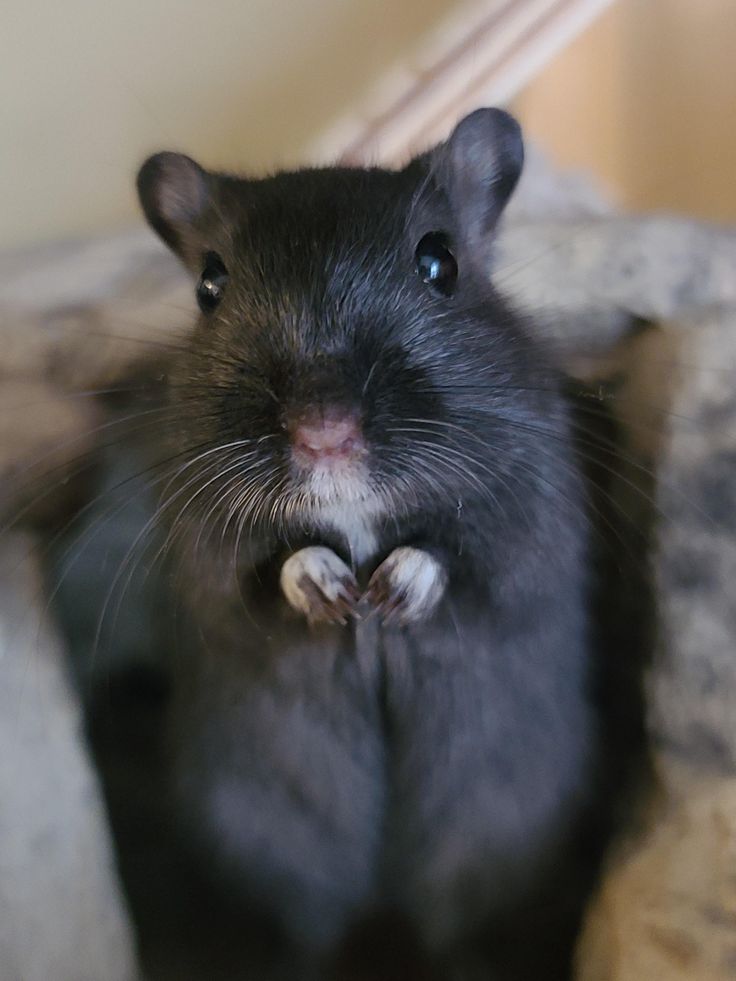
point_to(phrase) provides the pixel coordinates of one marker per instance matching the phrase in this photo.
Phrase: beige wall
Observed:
(89, 87)
(646, 98)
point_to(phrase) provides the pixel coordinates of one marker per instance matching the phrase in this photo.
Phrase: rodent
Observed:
(381, 525)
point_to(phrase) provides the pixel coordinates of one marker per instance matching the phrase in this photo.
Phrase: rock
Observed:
(61, 915)
(667, 912)
(693, 694)
(667, 909)
(585, 278)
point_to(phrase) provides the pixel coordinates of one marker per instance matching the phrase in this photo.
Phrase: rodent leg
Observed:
(407, 586)
(318, 584)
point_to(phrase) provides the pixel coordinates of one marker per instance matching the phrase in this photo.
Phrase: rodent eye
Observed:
(212, 282)
(435, 264)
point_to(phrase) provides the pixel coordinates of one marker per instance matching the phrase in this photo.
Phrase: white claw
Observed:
(408, 585)
(318, 584)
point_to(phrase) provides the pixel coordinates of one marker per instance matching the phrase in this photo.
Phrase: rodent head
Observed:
(351, 350)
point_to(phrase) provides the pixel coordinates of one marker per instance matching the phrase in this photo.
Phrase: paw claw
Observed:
(318, 584)
(407, 586)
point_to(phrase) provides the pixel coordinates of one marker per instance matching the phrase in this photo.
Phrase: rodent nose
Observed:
(329, 433)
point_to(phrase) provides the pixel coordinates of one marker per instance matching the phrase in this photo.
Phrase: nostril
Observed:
(326, 434)
(331, 436)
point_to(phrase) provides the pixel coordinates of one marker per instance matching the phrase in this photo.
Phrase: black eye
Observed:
(212, 282)
(436, 265)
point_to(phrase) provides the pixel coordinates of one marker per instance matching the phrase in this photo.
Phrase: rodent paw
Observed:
(407, 586)
(318, 584)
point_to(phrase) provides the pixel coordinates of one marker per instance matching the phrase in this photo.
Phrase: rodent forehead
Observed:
(322, 260)
(298, 224)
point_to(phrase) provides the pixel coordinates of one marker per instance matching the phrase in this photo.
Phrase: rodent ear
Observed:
(174, 193)
(479, 167)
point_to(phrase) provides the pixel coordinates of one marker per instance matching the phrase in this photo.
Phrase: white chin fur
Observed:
(344, 502)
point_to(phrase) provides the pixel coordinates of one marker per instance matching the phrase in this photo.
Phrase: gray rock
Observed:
(694, 684)
(61, 913)
(585, 278)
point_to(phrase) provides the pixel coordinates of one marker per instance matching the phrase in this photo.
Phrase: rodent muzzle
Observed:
(326, 435)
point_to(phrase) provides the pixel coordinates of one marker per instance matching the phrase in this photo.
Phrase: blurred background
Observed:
(639, 92)
(637, 95)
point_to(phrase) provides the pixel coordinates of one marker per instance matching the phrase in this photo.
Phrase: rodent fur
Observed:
(447, 768)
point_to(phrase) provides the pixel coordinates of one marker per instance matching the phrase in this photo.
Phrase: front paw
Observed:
(318, 584)
(407, 586)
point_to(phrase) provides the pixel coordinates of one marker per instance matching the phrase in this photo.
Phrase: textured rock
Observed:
(694, 685)
(61, 916)
(667, 912)
(584, 278)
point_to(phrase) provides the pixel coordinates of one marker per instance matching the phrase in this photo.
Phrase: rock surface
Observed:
(667, 912)
(61, 915)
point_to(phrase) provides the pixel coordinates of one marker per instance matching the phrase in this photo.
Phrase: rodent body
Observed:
(386, 672)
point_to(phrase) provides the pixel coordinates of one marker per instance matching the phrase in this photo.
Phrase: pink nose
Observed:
(330, 433)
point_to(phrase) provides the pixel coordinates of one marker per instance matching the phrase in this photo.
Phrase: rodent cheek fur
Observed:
(437, 385)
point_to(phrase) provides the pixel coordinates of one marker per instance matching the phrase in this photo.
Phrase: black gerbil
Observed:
(385, 681)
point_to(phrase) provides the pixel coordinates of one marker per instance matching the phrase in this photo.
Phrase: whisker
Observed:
(498, 475)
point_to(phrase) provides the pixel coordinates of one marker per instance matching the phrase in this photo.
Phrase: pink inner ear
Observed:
(484, 159)
(182, 189)
(174, 192)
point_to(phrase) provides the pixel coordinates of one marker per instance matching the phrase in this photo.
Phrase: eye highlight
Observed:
(435, 264)
(212, 282)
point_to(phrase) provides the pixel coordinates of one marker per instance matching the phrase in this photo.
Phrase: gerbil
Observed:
(383, 542)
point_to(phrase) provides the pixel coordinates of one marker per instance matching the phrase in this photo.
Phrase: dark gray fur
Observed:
(449, 771)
